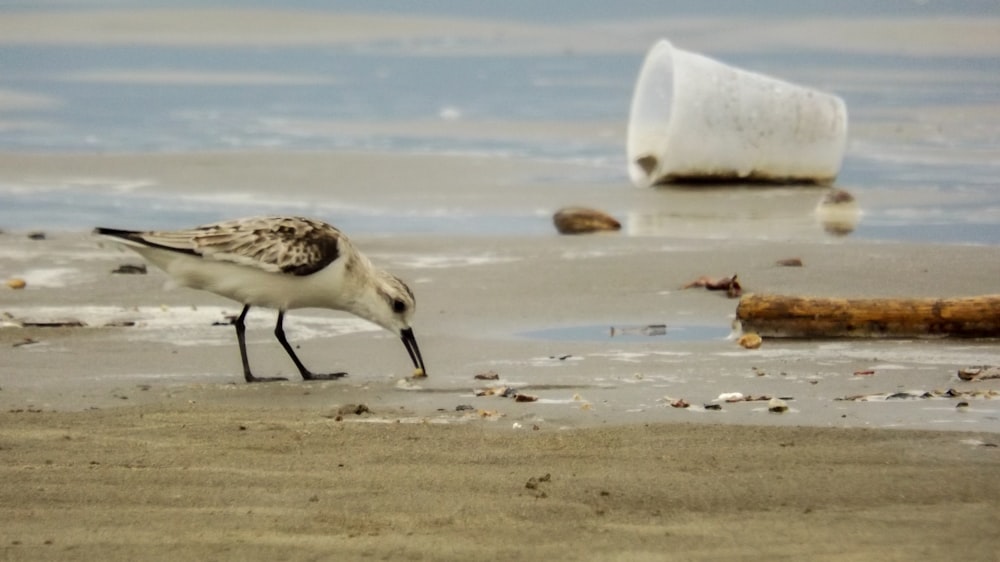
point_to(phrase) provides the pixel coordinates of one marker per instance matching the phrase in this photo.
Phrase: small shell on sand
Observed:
(750, 341)
(581, 220)
(16, 283)
(777, 405)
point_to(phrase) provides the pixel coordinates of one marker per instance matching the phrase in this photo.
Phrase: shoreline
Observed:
(510, 303)
(546, 334)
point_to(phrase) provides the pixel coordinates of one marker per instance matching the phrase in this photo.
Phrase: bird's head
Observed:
(390, 304)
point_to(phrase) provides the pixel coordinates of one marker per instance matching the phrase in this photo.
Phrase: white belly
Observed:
(250, 285)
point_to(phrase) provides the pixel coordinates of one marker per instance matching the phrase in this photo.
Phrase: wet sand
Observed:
(536, 308)
(141, 440)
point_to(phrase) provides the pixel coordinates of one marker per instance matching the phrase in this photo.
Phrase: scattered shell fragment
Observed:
(922, 395)
(731, 397)
(713, 406)
(777, 405)
(487, 376)
(979, 373)
(130, 269)
(525, 398)
(503, 392)
(7, 320)
(789, 262)
(750, 340)
(356, 409)
(864, 373)
(581, 220)
(16, 283)
(680, 403)
(731, 285)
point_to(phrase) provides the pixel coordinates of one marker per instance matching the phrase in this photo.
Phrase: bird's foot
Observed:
(251, 378)
(322, 377)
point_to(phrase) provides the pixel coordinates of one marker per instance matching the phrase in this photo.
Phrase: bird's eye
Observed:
(398, 306)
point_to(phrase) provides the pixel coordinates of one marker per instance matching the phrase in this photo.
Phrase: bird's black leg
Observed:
(241, 339)
(279, 332)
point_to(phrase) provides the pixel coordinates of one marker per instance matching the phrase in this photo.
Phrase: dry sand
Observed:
(203, 482)
(118, 443)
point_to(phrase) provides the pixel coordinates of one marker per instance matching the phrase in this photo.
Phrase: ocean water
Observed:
(918, 122)
(100, 112)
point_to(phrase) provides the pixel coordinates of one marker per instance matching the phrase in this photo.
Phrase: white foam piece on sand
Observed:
(192, 325)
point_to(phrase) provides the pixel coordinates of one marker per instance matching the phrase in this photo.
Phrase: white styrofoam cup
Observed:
(694, 118)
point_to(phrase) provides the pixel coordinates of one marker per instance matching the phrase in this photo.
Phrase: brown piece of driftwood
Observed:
(780, 316)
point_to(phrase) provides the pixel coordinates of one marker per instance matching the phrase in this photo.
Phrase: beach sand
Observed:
(129, 441)
(212, 481)
(134, 437)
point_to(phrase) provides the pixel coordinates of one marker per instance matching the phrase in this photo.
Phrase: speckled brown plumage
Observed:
(295, 245)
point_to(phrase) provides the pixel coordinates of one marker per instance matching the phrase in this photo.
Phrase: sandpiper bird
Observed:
(281, 263)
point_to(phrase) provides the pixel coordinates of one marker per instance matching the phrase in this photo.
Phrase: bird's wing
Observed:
(293, 245)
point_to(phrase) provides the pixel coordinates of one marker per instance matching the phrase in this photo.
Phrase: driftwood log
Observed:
(778, 316)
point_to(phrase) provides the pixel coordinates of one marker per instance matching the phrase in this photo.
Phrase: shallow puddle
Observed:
(630, 333)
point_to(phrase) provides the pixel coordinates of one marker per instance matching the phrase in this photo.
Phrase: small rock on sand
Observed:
(581, 220)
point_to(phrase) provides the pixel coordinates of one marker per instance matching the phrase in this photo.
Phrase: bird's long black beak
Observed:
(410, 341)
